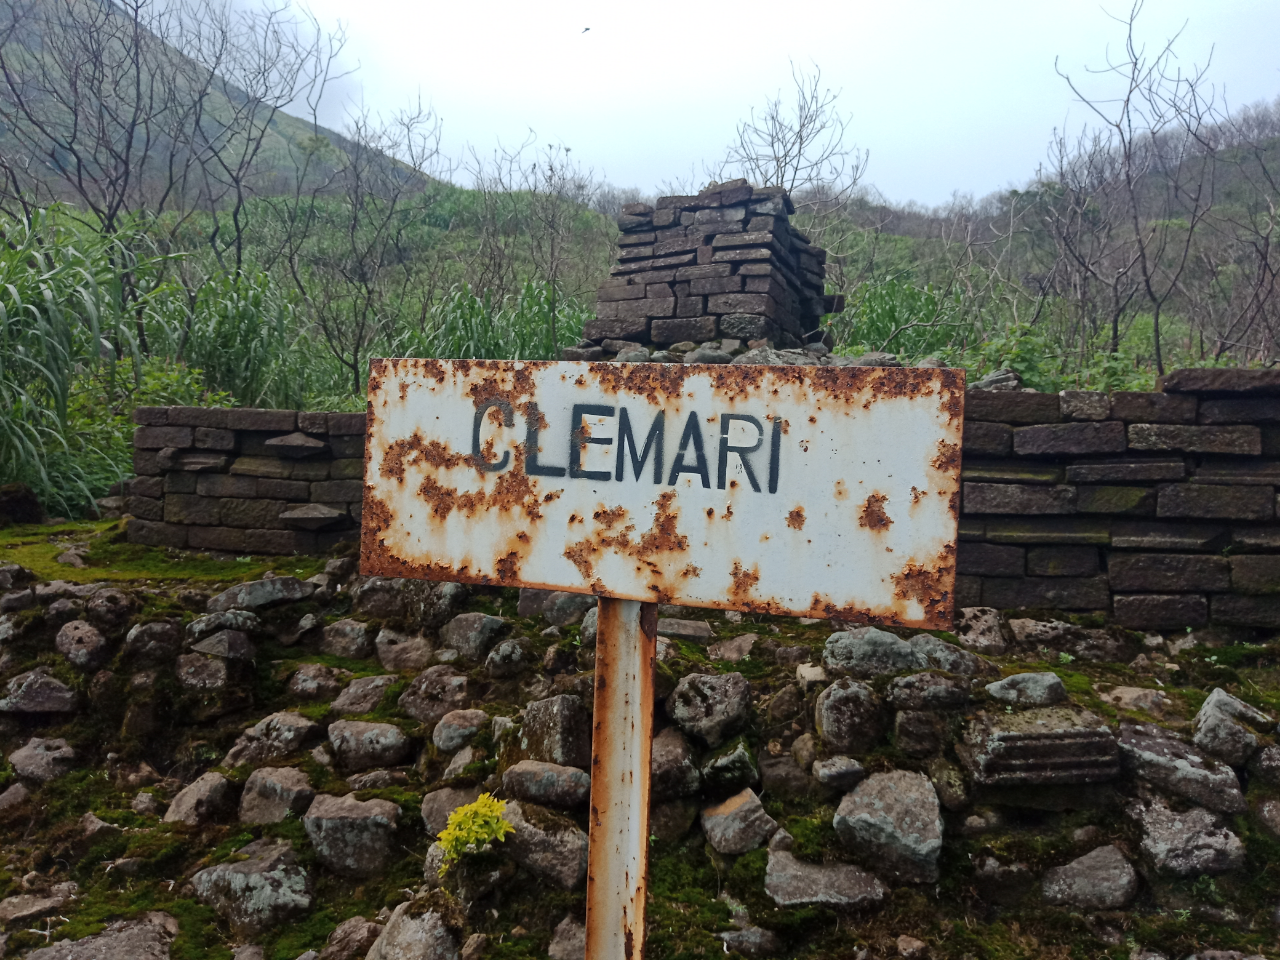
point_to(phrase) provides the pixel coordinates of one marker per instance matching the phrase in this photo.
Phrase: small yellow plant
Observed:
(471, 826)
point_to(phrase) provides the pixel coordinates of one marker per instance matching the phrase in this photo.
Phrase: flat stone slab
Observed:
(1169, 764)
(791, 882)
(1047, 746)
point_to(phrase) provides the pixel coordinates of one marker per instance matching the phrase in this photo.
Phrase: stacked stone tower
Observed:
(693, 272)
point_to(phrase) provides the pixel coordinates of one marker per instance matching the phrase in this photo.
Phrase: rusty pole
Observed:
(617, 866)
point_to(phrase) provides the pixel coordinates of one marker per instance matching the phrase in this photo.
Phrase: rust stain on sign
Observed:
(812, 491)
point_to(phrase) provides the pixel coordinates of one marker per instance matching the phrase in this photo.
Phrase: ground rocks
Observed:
(351, 639)
(201, 674)
(565, 609)
(259, 893)
(546, 844)
(547, 783)
(710, 707)
(1102, 879)
(314, 681)
(1186, 844)
(272, 793)
(1220, 730)
(42, 760)
(867, 652)
(457, 727)
(146, 938)
(414, 934)
(358, 745)
(437, 805)
(672, 770)
(257, 594)
(206, 798)
(1167, 763)
(738, 825)
(109, 608)
(1029, 689)
(978, 628)
(849, 716)
(37, 692)
(82, 644)
(928, 691)
(362, 695)
(568, 941)
(472, 634)
(507, 659)
(839, 773)
(273, 738)
(729, 769)
(433, 693)
(351, 940)
(892, 822)
(791, 882)
(159, 641)
(557, 730)
(401, 651)
(351, 837)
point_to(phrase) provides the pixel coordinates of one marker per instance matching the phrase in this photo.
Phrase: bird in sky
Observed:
(585, 29)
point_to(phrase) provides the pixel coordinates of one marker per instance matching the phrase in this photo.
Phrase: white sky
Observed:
(947, 96)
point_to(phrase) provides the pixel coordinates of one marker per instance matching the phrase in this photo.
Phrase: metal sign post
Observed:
(803, 491)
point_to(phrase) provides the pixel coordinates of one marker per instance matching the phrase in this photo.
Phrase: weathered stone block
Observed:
(346, 470)
(757, 303)
(1046, 746)
(1204, 500)
(1152, 611)
(210, 438)
(157, 534)
(247, 514)
(347, 424)
(216, 538)
(1155, 436)
(1264, 473)
(1168, 572)
(1142, 407)
(157, 438)
(262, 467)
(1007, 406)
(250, 418)
(747, 326)
(987, 439)
(226, 485)
(180, 483)
(185, 508)
(284, 489)
(1261, 410)
(678, 330)
(1063, 593)
(1018, 498)
(1048, 530)
(1064, 561)
(146, 462)
(1126, 471)
(1120, 501)
(1084, 405)
(617, 328)
(151, 416)
(1237, 611)
(990, 560)
(280, 541)
(1008, 471)
(144, 508)
(212, 417)
(1231, 381)
(1069, 439)
(1256, 574)
(968, 591)
(335, 491)
(1153, 535)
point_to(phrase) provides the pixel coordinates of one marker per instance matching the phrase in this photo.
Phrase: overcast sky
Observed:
(946, 96)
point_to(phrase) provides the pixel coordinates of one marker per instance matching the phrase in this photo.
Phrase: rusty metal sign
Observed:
(805, 491)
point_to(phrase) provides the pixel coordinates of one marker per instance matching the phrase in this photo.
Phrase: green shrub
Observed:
(472, 826)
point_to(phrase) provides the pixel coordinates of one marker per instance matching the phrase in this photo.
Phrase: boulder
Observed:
(472, 634)
(738, 825)
(546, 844)
(13, 797)
(892, 823)
(565, 609)
(697, 631)
(531, 601)
(315, 681)
(437, 805)
(1029, 689)
(791, 882)
(1102, 879)
(733, 649)
(1265, 765)
(507, 659)
(401, 651)
(37, 692)
(352, 639)
(351, 940)
(227, 644)
(42, 760)
(978, 628)
(351, 837)
(258, 594)
(710, 707)
(435, 692)
(928, 691)
(82, 644)
(457, 728)
(568, 941)
(109, 608)
(1040, 747)
(1186, 844)
(548, 784)
(557, 730)
(414, 933)
(461, 760)
(867, 652)
(672, 770)
(200, 674)
(1158, 757)
(206, 798)
(272, 793)
(358, 745)
(839, 773)
(144, 938)
(1220, 727)
(729, 769)
(157, 642)
(590, 627)
(27, 906)
(849, 717)
(273, 738)
(363, 694)
(211, 623)
(259, 893)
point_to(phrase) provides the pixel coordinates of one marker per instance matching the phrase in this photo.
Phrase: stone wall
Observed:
(1155, 509)
(245, 481)
(1158, 509)
(695, 272)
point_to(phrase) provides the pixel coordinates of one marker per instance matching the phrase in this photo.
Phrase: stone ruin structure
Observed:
(704, 278)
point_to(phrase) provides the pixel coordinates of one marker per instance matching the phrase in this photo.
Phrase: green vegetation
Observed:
(471, 827)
